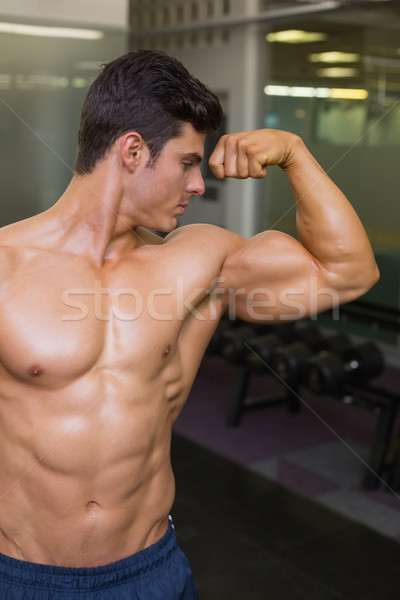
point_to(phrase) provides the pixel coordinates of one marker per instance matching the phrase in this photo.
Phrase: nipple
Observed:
(35, 371)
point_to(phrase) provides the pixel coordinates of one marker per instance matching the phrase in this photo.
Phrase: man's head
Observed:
(144, 91)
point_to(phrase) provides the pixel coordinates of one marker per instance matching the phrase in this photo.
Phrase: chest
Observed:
(57, 327)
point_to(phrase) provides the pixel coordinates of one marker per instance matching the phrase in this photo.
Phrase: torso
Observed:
(95, 366)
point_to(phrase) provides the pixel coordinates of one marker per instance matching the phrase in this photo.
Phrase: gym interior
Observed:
(287, 453)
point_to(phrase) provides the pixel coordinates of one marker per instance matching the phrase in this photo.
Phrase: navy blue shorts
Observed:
(160, 572)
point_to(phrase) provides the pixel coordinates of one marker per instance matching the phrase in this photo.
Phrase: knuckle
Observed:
(253, 150)
(232, 141)
(242, 144)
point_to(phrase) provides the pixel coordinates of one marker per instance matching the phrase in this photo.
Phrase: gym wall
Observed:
(43, 81)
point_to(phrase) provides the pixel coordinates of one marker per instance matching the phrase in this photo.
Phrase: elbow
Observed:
(374, 276)
(351, 283)
(367, 278)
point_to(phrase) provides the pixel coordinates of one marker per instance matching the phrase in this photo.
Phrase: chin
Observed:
(168, 228)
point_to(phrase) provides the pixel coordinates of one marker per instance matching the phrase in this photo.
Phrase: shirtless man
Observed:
(104, 325)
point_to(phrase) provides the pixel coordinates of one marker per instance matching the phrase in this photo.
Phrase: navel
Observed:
(167, 350)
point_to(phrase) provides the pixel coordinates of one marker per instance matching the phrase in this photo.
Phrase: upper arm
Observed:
(272, 276)
(268, 277)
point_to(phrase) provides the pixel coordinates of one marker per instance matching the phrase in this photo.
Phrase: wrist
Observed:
(296, 152)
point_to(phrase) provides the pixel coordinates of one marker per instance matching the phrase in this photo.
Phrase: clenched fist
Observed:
(249, 153)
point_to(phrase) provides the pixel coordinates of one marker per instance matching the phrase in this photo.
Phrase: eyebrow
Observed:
(194, 156)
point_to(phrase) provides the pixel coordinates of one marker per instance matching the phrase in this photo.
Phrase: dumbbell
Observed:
(260, 350)
(233, 342)
(290, 361)
(328, 372)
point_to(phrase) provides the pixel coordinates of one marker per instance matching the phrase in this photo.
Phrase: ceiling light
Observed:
(5, 81)
(79, 82)
(302, 92)
(33, 81)
(348, 94)
(337, 72)
(42, 31)
(319, 92)
(296, 91)
(295, 36)
(322, 92)
(334, 57)
(277, 90)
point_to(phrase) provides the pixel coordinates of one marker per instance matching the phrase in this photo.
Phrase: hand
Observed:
(249, 153)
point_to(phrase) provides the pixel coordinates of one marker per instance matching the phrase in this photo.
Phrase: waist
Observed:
(50, 577)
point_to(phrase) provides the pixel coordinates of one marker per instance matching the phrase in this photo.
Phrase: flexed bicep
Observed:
(273, 277)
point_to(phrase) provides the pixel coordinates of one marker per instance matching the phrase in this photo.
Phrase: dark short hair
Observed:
(146, 91)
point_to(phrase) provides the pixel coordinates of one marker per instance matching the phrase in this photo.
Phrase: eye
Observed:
(187, 165)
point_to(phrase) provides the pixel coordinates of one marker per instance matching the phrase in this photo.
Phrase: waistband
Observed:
(49, 577)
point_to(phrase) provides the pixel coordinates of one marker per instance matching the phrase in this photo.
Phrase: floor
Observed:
(249, 538)
(320, 452)
(274, 509)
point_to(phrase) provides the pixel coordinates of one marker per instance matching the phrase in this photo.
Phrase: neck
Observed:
(90, 215)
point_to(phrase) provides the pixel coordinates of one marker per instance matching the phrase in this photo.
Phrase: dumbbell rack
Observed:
(240, 401)
(382, 402)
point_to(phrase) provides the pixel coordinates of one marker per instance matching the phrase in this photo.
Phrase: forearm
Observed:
(328, 226)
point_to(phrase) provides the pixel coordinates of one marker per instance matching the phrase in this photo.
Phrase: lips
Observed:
(181, 208)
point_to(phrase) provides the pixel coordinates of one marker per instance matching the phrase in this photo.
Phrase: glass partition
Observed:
(340, 91)
(43, 81)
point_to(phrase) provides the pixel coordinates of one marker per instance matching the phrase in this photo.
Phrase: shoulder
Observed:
(8, 243)
(207, 237)
(13, 246)
(7, 261)
(16, 234)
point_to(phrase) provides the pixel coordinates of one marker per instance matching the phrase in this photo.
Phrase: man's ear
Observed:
(133, 150)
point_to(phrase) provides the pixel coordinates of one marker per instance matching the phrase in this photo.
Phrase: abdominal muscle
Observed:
(87, 483)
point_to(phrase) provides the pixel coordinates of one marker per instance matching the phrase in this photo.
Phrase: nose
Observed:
(196, 185)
